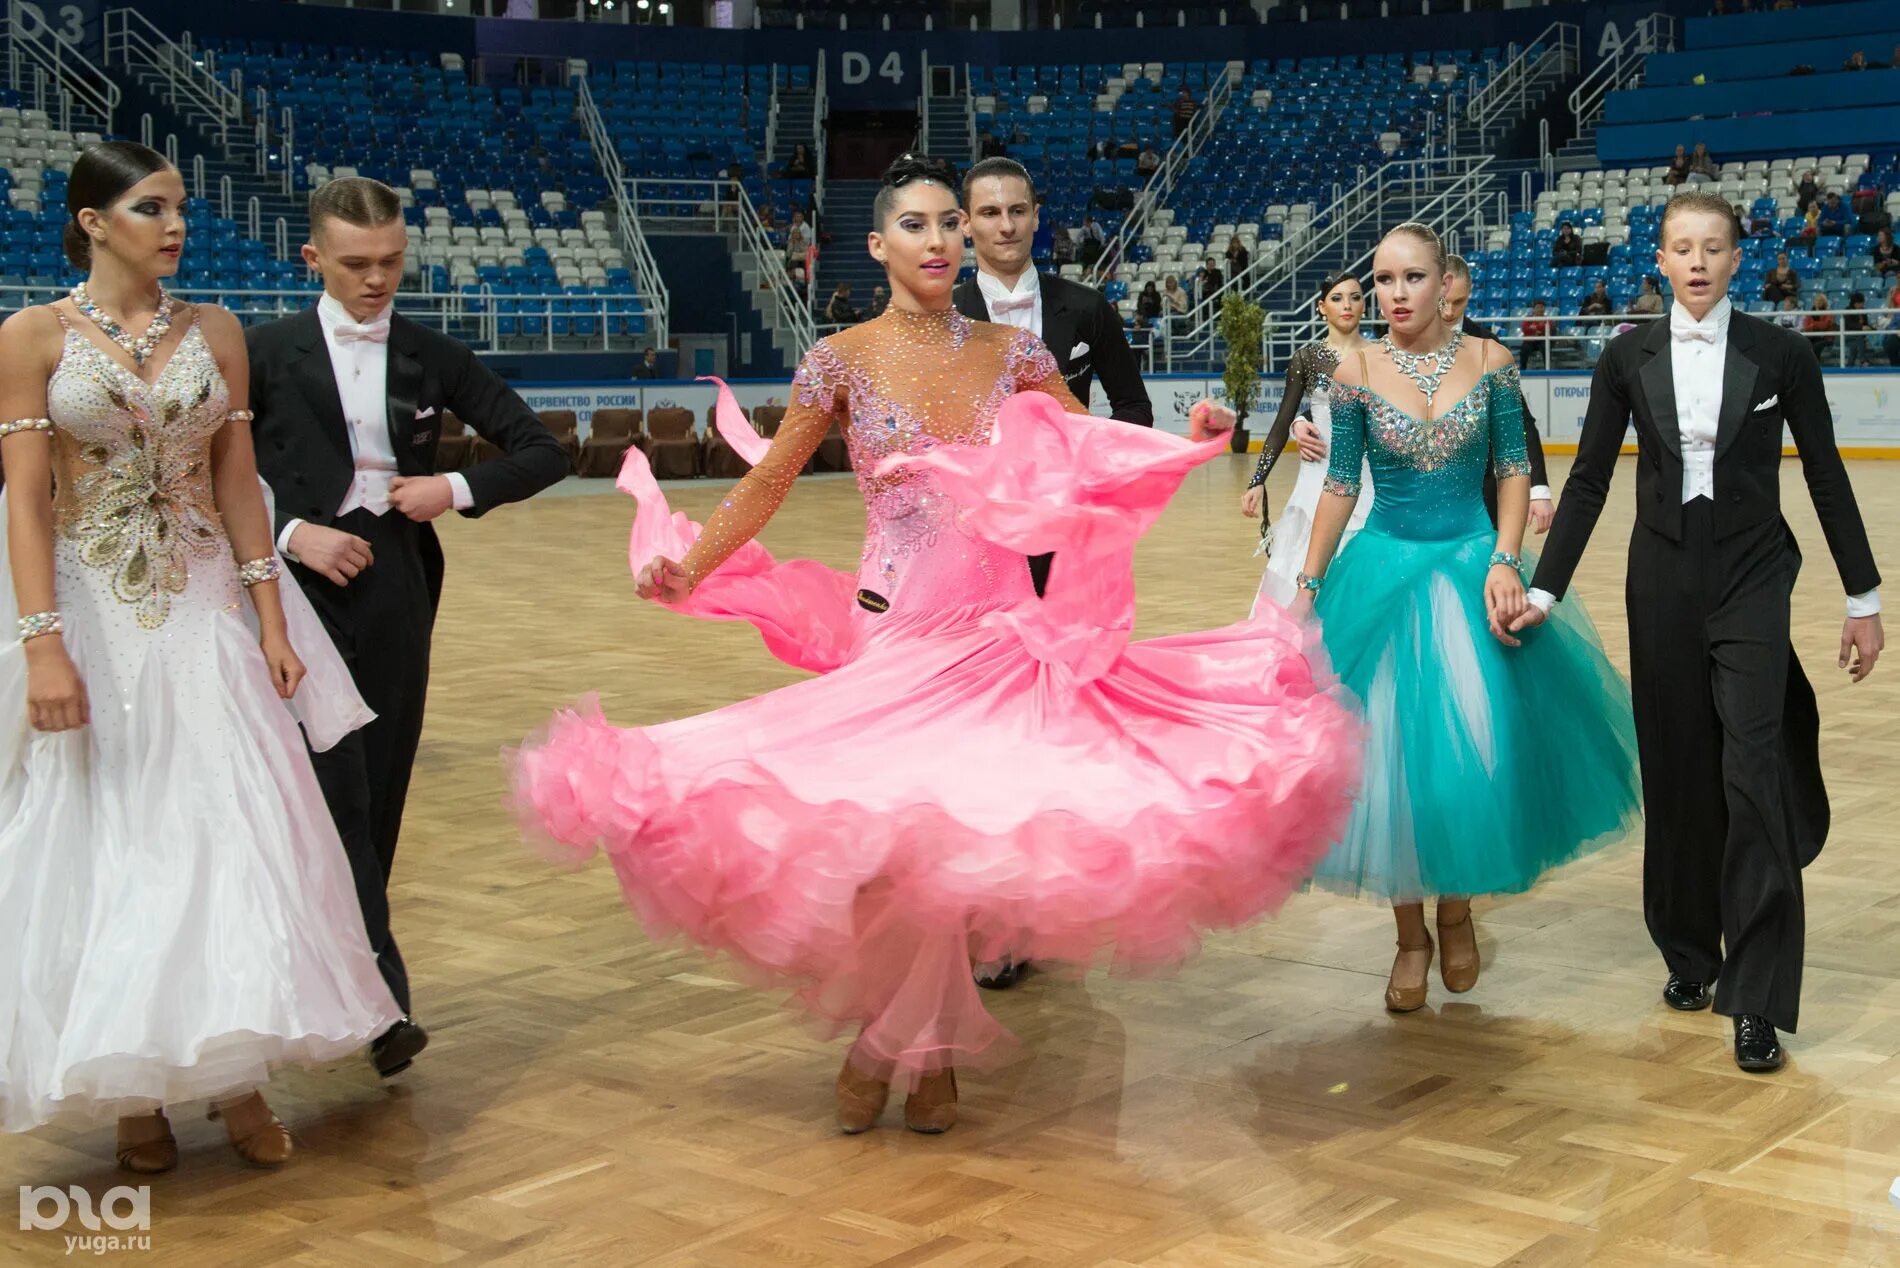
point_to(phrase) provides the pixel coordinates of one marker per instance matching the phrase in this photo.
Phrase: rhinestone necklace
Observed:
(1412, 364)
(140, 348)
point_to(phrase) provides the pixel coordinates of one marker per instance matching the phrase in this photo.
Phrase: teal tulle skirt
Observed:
(1486, 765)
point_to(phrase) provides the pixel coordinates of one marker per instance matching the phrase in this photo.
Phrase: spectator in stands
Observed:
(1238, 259)
(880, 300)
(797, 243)
(1174, 296)
(1597, 302)
(1567, 251)
(1810, 227)
(993, 147)
(1092, 242)
(1128, 149)
(649, 367)
(1185, 108)
(1859, 328)
(1702, 164)
(798, 167)
(839, 311)
(1886, 255)
(1678, 167)
(1648, 302)
(1892, 342)
(1209, 280)
(1761, 225)
(1789, 318)
(1833, 219)
(1819, 325)
(768, 219)
(1148, 306)
(1062, 246)
(1537, 329)
(1873, 217)
(1857, 60)
(1781, 282)
(1807, 192)
(1149, 160)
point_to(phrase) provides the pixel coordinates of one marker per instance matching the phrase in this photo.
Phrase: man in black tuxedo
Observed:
(1725, 719)
(349, 400)
(1076, 323)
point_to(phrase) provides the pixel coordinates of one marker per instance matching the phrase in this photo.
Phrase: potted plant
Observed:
(1242, 327)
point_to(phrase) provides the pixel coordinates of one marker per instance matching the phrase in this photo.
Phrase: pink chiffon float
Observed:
(966, 778)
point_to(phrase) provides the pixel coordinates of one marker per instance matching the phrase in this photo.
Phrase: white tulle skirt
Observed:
(176, 910)
(1292, 533)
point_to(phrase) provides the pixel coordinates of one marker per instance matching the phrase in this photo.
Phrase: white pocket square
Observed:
(424, 413)
(1080, 350)
(1769, 403)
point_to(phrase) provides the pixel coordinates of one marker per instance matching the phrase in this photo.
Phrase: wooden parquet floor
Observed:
(594, 1098)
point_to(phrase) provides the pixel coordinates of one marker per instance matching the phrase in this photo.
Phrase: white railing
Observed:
(1173, 167)
(1557, 49)
(645, 268)
(52, 76)
(131, 42)
(1622, 69)
(771, 120)
(820, 108)
(723, 206)
(1449, 192)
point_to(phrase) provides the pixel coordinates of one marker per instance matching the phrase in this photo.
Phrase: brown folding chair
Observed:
(453, 447)
(833, 453)
(718, 460)
(672, 447)
(564, 425)
(614, 431)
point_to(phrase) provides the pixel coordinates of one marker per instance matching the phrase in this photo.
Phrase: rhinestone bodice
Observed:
(132, 467)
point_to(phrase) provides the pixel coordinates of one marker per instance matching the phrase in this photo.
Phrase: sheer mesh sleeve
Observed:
(1298, 377)
(816, 392)
(1033, 368)
(1346, 459)
(1510, 453)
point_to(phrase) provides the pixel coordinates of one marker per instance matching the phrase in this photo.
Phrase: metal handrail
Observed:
(1653, 34)
(1173, 166)
(129, 34)
(1510, 85)
(645, 267)
(1464, 178)
(51, 61)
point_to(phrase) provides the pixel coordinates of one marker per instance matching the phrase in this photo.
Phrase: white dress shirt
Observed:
(1698, 355)
(1019, 305)
(359, 355)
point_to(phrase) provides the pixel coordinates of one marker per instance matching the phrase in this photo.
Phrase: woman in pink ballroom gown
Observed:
(975, 771)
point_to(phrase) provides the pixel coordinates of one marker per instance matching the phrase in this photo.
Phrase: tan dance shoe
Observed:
(1408, 996)
(1458, 962)
(146, 1145)
(860, 1100)
(932, 1108)
(255, 1133)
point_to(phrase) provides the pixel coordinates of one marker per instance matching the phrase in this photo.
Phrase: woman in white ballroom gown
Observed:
(176, 911)
(1342, 302)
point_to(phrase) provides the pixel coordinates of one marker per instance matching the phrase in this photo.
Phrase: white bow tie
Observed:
(375, 332)
(1025, 304)
(1690, 331)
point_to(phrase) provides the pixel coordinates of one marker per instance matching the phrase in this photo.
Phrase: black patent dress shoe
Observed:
(1757, 1047)
(1685, 996)
(1003, 976)
(394, 1049)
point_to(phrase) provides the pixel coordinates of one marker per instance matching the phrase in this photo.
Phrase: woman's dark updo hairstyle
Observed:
(100, 178)
(907, 168)
(1334, 279)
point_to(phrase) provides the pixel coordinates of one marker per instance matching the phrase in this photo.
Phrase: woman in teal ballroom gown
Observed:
(1490, 759)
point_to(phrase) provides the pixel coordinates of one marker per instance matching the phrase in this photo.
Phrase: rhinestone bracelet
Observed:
(240, 416)
(258, 571)
(39, 624)
(26, 424)
(1505, 557)
(1304, 582)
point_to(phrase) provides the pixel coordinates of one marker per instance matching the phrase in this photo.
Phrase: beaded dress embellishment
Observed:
(134, 468)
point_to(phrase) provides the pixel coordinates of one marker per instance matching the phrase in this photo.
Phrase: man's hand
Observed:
(1543, 511)
(1529, 619)
(1311, 444)
(1864, 638)
(421, 498)
(331, 553)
